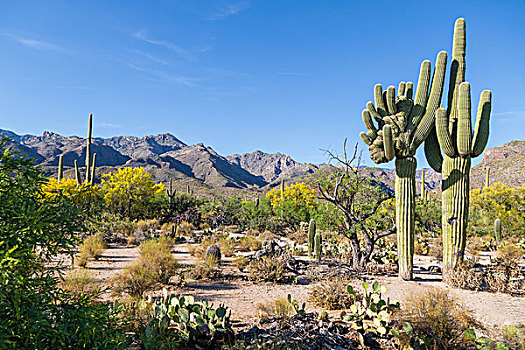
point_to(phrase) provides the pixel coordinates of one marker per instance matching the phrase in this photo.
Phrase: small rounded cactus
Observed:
(214, 252)
(497, 229)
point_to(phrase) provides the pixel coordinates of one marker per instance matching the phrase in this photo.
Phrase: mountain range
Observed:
(166, 157)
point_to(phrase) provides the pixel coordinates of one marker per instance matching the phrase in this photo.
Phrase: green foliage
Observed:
(484, 343)
(371, 307)
(183, 321)
(91, 248)
(34, 312)
(131, 192)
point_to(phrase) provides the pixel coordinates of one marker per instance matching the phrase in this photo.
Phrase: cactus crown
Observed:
(403, 122)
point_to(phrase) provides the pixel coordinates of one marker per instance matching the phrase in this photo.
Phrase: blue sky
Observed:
(279, 76)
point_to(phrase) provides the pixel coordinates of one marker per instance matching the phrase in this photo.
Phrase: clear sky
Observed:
(279, 76)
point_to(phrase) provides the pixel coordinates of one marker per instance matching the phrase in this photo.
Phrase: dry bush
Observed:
(299, 236)
(280, 309)
(332, 294)
(232, 229)
(248, 244)
(267, 235)
(241, 262)
(206, 269)
(185, 229)
(226, 245)
(204, 226)
(435, 248)
(148, 226)
(465, 277)
(373, 268)
(133, 239)
(439, 316)
(78, 283)
(169, 228)
(509, 255)
(252, 233)
(155, 265)
(91, 248)
(267, 269)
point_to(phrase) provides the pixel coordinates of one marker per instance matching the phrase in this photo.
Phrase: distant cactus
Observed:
(497, 230)
(401, 125)
(424, 192)
(318, 246)
(88, 149)
(311, 237)
(282, 189)
(77, 173)
(60, 168)
(453, 134)
(487, 177)
(92, 178)
(171, 192)
(214, 252)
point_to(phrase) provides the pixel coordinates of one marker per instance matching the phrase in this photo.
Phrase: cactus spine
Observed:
(396, 128)
(318, 246)
(88, 149)
(311, 237)
(453, 134)
(497, 230)
(60, 168)
(77, 173)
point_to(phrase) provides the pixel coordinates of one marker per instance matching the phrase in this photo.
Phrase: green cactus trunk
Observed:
(497, 230)
(423, 189)
(311, 237)
(60, 168)
(487, 177)
(88, 149)
(405, 188)
(77, 173)
(92, 178)
(318, 246)
(455, 204)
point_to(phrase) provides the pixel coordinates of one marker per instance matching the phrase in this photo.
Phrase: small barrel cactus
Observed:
(311, 237)
(497, 229)
(318, 246)
(214, 252)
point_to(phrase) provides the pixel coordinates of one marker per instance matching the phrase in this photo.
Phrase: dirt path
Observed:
(242, 297)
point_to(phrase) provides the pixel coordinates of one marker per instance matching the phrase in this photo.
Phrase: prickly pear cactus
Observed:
(214, 252)
(396, 128)
(454, 136)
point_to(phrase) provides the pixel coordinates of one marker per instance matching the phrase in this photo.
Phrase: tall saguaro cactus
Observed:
(60, 168)
(453, 134)
(88, 149)
(311, 237)
(401, 125)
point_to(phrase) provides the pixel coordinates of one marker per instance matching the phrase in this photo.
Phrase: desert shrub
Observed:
(376, 269)
(34, 312)
(206, 269)
(331, 294)
(204, 226)
(493, 278)
(437, 318)
(514, 336)
(169, 228)
(185, 229)
(241, 262)
(148, 226)
(91, 248)
(509, 255)
(155, 265)
(78, 283)
(279, 309)
(421, 246)
(466, 277)
(247, 244)
(267, 235)
(435, 248)
(384, 253)
(267, 269)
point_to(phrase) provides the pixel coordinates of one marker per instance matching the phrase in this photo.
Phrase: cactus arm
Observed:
(421, 94)
(464, 139)
(374, 114)
(92, 178)
(379, 100)
(401, 90)
(367, 119)
(481, 129)
(443, 136)
(410, 90)
(365, 138)
(388, 143)
(424, 127)
(433, 151)
(391, 100)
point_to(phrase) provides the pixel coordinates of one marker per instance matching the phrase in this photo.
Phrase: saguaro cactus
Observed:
(92, 177)
(77, 173)
(497, 230)
(453, 134)
(403, 124)
(424, 193)
(88, 149)
(487, 177)
(311, 237)
(60, 168)
(318, 246)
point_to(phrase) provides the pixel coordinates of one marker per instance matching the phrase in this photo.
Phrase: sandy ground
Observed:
(242, 297)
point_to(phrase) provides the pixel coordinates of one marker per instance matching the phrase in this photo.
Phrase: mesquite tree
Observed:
(358, 199)
(401, 125)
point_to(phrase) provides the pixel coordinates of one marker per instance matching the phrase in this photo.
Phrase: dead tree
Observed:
(358, 199)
